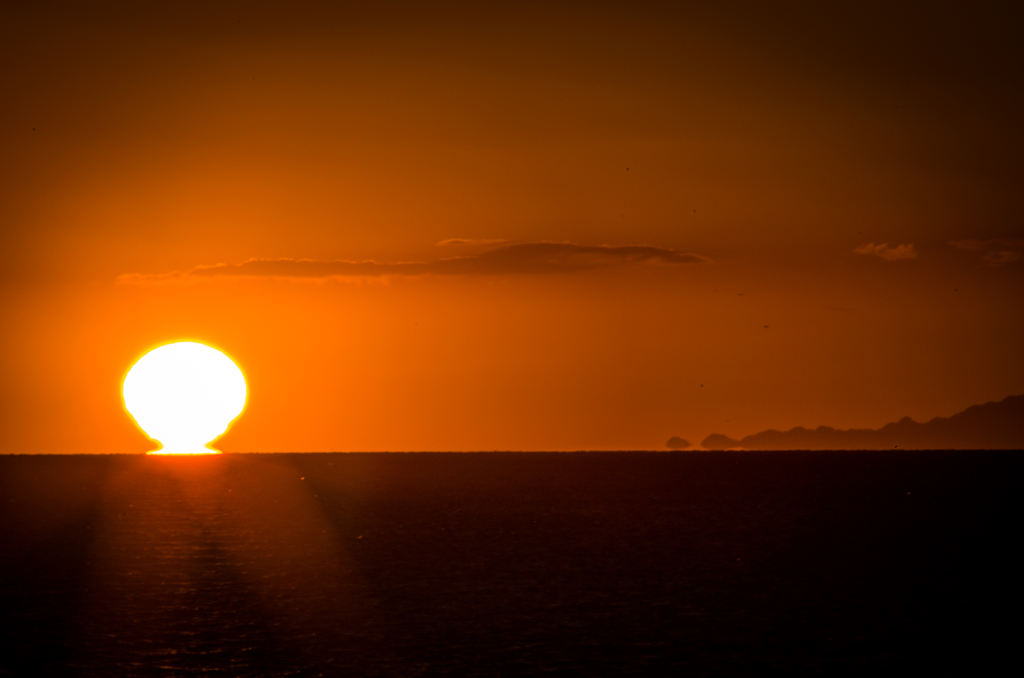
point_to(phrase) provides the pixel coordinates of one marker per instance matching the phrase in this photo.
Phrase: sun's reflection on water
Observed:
(213, 562)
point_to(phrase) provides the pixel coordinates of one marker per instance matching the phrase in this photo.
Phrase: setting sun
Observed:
(184, 396)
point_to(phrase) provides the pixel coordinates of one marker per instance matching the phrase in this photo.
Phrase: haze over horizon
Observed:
(522, 226)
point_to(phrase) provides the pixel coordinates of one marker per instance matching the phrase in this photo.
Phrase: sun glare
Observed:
(184, 396)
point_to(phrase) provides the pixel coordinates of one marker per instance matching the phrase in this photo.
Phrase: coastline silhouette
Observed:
(991, 426)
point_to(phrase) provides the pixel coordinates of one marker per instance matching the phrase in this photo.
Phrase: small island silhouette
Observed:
(992, 426)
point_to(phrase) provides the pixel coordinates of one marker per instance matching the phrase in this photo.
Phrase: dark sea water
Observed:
(700, 564)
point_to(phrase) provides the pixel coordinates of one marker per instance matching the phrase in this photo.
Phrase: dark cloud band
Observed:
(511, 259)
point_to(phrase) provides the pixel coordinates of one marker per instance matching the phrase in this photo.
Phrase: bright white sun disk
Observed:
(184, 395)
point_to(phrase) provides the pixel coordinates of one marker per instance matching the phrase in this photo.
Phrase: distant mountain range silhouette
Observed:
(980, 427)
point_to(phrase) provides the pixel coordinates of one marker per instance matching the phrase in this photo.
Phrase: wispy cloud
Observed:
(883, 251)
(996, 252)
(1001, 257)
(506, 259)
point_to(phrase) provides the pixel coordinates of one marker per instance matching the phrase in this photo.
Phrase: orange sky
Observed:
(636, 191)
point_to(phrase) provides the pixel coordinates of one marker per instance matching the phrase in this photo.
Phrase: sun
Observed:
(184, 396)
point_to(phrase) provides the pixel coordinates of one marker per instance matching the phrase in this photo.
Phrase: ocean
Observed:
(896, 563)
